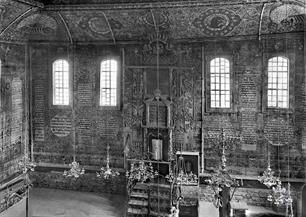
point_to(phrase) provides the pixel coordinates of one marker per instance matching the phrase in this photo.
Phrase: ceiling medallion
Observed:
(156, 18)
(98, 25)
(215, 22)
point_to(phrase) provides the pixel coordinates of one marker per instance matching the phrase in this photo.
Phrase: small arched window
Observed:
(278, 82)
(60, 76)
(108, 82)
(220, 90)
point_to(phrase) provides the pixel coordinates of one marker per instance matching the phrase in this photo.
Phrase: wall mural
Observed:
(38, 23)
(215, 22)
(12, 117)
(99, 24)
(174, 22)
(9, 11)
(45, 26)
(283, 18)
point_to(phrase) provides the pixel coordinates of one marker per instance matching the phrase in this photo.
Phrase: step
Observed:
(140, 186)
(143, 211)
(138, 202)
(139, 195)
(158, 185)
(159, 214)
(164, 197)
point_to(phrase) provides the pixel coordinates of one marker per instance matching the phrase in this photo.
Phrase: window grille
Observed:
(60, 82)
(278, 85)
(220, 83)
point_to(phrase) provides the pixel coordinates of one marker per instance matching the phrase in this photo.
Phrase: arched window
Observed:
(108, 82)
(278, 85)
(220, 89)
(60, 76)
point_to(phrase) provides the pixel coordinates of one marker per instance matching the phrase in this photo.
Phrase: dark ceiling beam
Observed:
(110, 28)
(66, 27)
(16, 19)
(32, 3)
(177, 4)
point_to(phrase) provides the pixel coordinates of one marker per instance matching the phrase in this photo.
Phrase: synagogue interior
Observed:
(152, 108)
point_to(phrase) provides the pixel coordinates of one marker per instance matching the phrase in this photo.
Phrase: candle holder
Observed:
(107, 172)
(75, 170)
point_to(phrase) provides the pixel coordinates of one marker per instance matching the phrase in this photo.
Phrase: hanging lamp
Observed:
(75, 170)
(222, 179)
(107, 172)
(268, 178)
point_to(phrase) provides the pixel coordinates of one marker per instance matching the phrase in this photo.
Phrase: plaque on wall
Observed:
(61, 125)
(39, 133)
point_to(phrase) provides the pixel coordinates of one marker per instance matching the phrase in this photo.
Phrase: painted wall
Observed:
(183, 71)
(13, 118)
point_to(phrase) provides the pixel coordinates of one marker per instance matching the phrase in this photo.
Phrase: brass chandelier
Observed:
(107, 172)
(141, 172)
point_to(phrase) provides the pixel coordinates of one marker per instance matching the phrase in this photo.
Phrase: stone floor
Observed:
(60, 203)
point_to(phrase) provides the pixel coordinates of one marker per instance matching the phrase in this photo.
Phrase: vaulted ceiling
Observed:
(137, 20)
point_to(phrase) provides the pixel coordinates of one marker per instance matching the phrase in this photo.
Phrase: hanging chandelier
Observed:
(221, 180)
(141, 172)
(107, 172)
(278, 194)
(75, 170)
(25, 164)
(282, 196)
(268, 178)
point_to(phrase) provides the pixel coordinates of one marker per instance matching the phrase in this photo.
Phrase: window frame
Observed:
(277, 83)
(70, 87)
(291, 77)
(232, 108)
(118, 86)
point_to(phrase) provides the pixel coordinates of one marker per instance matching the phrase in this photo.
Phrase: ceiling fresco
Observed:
(23, 22)
(281, 18)
(39, 26)
(9, 11)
